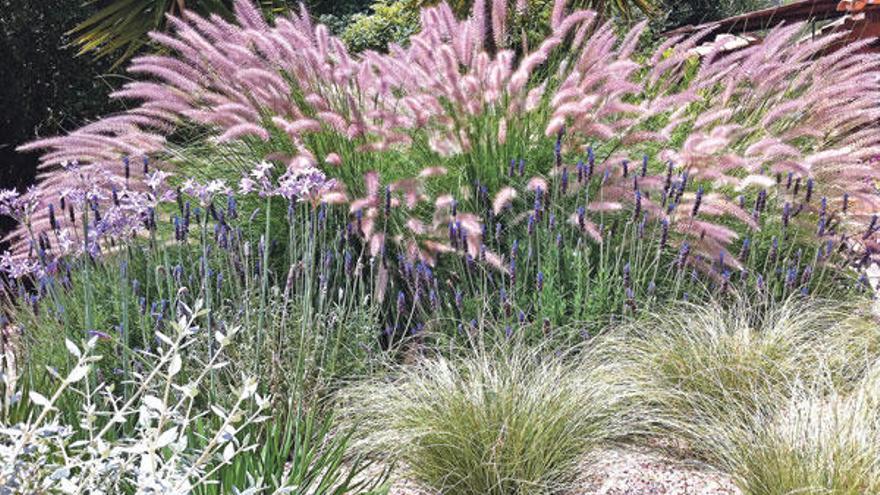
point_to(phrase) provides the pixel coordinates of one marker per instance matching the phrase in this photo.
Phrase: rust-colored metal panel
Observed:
(861, 18)
(766, 18)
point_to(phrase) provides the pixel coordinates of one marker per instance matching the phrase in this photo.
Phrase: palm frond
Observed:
(120, 28)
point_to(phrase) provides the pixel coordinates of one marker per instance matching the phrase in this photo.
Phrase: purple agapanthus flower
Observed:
(17, 267)
(205, 192)
(307, 183)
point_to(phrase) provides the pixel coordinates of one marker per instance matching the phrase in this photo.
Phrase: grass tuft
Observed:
(707, 365)
(817, 443)
(493, 422)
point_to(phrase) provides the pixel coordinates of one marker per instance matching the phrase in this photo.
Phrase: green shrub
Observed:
(392, 21)
(511, 422)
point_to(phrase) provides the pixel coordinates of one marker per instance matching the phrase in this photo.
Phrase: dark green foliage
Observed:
(44, 89)
(679, 13)
(119, 28)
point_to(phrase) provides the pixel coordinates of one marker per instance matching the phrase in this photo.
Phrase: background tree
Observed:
(44, 89)
(393, 21)
(120, 27)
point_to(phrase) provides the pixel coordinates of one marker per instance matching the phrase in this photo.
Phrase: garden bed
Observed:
(487, 262)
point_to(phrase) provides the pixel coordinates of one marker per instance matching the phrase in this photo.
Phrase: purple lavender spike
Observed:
(401, 302)
(697, 201)
(871, 227)
(786, 214)
(591, 162)
(682, 255)
(53, 222)
(806, 275)
(664, 233)
(744, 251)
(630, 298)
(557, 149)
(637, 207)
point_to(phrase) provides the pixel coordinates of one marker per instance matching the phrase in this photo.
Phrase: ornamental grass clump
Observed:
(773, 113)
(491, 422)
(707, 366)
(819, 441)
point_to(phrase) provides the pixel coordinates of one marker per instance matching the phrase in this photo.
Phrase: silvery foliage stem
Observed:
(45, 453)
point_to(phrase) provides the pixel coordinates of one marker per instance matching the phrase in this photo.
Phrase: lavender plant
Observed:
(311, 322)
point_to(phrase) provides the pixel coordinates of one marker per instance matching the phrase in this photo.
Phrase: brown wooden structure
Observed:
(859, 18)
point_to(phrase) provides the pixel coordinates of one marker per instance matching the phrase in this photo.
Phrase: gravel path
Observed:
(643, 472)
(631, 471)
